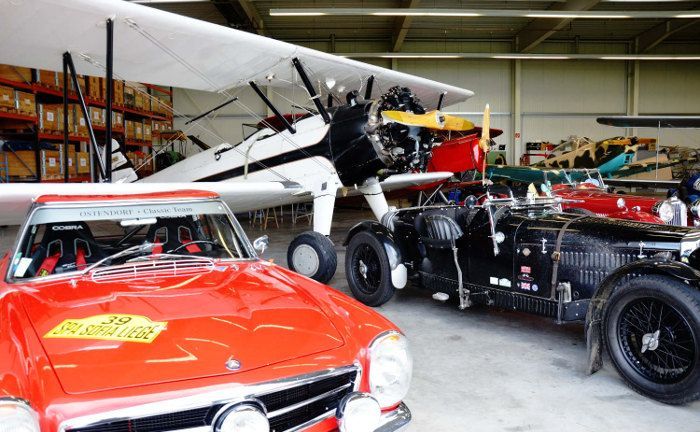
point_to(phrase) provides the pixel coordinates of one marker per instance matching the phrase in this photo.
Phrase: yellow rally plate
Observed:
(113, 327)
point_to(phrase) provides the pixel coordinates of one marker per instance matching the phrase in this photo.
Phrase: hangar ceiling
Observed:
(366, 33)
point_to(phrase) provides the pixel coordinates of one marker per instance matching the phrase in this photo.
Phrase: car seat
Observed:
(170, 234)
(439, 228)
(65, 246)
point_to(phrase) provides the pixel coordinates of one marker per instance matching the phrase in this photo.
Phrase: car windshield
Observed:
(65, 239)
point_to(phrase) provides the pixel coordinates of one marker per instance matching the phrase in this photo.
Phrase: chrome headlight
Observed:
(695, 208)
(243, 418)
(665, 211)
(358, 412)
(17, 416)
(390, 368)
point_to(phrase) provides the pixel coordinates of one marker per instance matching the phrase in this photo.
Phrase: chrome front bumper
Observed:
(396, 420)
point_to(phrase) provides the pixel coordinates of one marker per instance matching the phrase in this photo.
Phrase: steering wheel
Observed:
(192, 242)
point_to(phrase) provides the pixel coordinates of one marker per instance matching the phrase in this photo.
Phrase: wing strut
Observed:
(218, 107)
(310, 88)
(109, 83)
(272, 107)
(368, 90)
(69, 66)
(441, 100)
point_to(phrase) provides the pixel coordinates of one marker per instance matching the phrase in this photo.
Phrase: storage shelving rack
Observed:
(13, 125)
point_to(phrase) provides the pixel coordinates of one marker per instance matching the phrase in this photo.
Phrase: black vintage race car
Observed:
(636, 285)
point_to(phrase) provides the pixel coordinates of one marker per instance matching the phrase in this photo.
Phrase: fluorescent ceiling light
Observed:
(502, 13)
(530, 57)
(423, 56)
(574, 15)
(522, 56)
(411, 13)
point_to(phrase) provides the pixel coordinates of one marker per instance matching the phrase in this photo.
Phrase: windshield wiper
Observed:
(142, 248)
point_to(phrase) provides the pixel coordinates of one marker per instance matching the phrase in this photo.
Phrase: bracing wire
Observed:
(132, 24)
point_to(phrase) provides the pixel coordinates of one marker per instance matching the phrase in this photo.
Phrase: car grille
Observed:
(287, 409)
(680, 213)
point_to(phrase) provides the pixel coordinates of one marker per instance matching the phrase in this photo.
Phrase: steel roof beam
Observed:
(403, 24)
(654, 36)
(539, 29)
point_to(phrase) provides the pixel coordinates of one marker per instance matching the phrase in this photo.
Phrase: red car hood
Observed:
(179, 327)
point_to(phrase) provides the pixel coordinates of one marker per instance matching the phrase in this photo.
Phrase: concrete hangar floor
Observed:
(485, 369)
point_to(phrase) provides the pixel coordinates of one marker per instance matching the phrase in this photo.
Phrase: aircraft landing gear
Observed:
(313, 255)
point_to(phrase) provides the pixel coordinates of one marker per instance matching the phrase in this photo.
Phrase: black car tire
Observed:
(374, 287)
(658, 357)
(579, 211)
(316, 247)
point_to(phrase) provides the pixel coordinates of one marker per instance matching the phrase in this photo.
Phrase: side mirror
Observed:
(261, 243)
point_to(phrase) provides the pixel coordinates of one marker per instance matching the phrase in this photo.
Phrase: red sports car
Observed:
(152, 312)
(584, 191)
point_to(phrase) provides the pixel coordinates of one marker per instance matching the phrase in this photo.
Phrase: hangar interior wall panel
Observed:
(490, 80)
(577, 86)
(563, 98)
(670, 88)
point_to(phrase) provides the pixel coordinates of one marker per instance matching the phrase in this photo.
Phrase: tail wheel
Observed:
(313, 255)
(652, 333)
(367, 270)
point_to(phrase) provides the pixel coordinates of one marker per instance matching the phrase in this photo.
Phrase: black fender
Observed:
(384, 235)
(594, 342)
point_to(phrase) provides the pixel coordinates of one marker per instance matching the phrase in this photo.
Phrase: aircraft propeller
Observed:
(485, 141)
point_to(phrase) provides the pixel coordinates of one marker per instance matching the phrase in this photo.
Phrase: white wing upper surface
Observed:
(159, 47)
(16, 198)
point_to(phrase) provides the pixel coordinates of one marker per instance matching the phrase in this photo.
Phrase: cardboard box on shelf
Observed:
(83, 162)
(50, 118)
(21, 163)
(117, 120)
(147, 136)
(138, 100)
(138, 130)
(51, 165)
(26, 103)
(95, 87)
(97, 116)
(130, 129)
(7, 99)
(16, 73)
(71, 86)
(47, 78)
(117, 91)
(129, 96)
(79, 122)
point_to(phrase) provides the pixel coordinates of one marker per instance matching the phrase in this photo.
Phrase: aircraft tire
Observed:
(313, 255)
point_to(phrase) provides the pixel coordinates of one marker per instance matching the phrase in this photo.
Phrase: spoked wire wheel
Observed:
(366, 269)
(658, 342)
(651, 327)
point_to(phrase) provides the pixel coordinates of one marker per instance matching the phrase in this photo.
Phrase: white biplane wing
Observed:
(16, 198)
(401, 181)
(159, 47)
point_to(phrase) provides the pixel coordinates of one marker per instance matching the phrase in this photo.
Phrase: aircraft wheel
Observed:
(367, 270)
(313, 255)
(652, 333)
